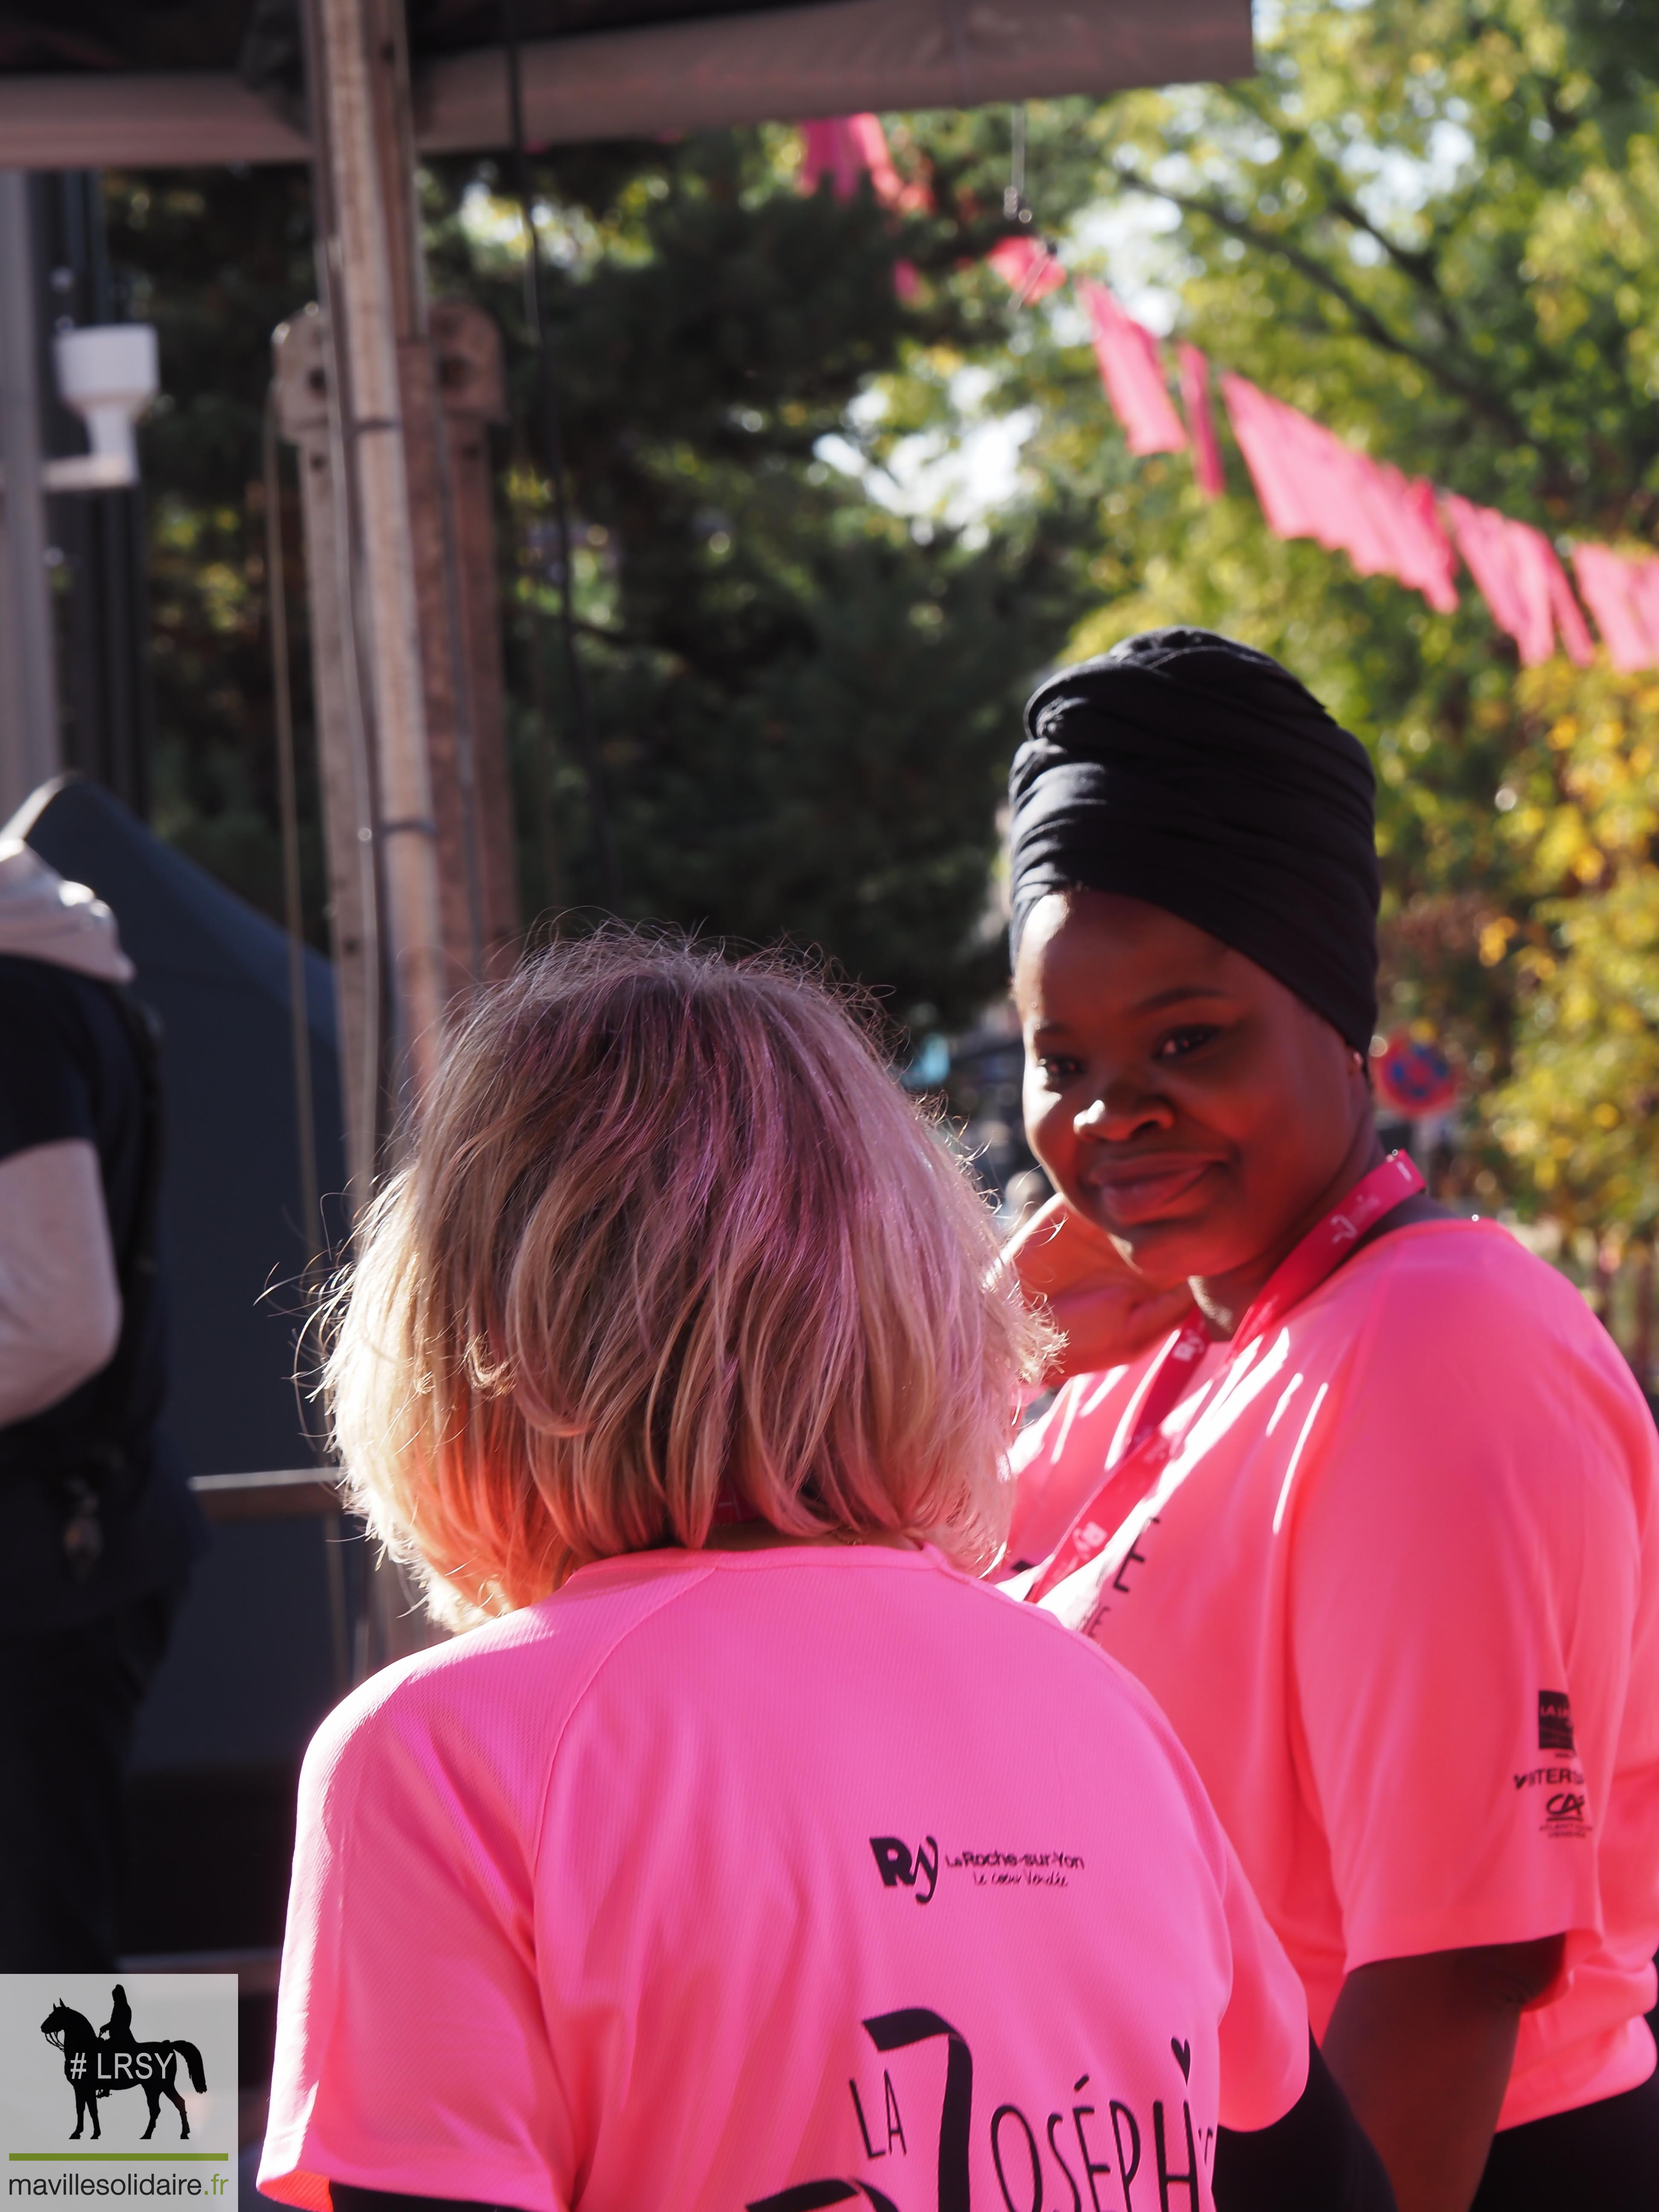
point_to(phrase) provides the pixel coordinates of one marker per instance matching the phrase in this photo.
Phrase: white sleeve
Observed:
(60, 1301)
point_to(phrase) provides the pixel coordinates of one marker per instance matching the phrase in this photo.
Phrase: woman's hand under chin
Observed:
(1105, 1312)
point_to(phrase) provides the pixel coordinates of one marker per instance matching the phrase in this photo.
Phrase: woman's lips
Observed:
(1132, 1192)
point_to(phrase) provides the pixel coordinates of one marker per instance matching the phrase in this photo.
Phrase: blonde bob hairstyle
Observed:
(669, 1224)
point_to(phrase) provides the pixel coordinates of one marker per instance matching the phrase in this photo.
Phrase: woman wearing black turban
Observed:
(1362, 1492)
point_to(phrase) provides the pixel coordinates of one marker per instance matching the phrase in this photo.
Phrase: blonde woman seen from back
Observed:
(748, 1850)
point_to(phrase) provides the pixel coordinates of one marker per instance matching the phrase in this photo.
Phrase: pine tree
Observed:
(802, 704)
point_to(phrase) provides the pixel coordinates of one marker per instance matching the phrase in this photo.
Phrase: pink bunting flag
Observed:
(1517, 573)
(1644, 596)
(1623, 595)
(1417, 549)
(1134, 376)
(1027, 267)
(1570, 626)
(1483, 540)
(845, 147)
(1207, 471)
(1272, 441)
(1311, 484)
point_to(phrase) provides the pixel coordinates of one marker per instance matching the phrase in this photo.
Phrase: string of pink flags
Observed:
(1310, 484)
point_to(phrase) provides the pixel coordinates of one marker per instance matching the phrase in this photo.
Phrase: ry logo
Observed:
(896, 1864)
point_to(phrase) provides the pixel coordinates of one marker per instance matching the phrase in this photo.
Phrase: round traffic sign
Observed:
(1414, 1077)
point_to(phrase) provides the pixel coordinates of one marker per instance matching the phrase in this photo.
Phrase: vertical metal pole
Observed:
(29, 744)
(360, 313)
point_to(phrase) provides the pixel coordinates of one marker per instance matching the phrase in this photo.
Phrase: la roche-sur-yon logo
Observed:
(118, 2088)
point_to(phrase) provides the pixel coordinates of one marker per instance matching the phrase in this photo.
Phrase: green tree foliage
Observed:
(216, 259)
(1581, 814)
(1429, 226)
(801, 701)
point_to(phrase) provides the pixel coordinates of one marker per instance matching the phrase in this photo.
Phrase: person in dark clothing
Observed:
(97, 1529)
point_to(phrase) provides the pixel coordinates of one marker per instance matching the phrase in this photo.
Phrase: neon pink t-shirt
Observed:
(1397, 1590)
(720, 1873)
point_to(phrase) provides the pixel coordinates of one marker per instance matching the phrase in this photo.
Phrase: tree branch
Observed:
(1365, 319)
(1416, 263)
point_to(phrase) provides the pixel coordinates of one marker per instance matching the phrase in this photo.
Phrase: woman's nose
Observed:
(1121, 1112)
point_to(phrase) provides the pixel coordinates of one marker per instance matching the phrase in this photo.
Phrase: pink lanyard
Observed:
(1131, 1476)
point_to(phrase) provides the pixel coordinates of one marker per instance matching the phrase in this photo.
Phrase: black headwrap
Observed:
(1192, 772)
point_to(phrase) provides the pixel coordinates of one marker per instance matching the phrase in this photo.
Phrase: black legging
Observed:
(69, 1704)
(1604, 2156)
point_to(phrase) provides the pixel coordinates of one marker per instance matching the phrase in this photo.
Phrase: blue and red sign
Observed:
(1414, 1079)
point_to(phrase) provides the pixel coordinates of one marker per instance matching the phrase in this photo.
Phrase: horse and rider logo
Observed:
(99, 2062)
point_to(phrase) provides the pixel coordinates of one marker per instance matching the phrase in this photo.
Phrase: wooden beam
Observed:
(129, 120)
(469, 380)
(300, 360)
(442, 386)
(356, 217)
(472, 390)
(829, 59)
(289, 1493)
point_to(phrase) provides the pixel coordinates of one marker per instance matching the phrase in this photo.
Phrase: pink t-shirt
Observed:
(719, 1874)
(1397, 1590)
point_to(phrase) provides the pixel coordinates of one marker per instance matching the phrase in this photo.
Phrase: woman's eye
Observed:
(1057, 1068)
(1180, 1042)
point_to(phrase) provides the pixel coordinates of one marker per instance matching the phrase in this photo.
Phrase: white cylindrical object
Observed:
(107, 375)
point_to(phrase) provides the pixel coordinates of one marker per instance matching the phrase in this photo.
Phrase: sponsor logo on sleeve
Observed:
(1555, 1721)
(1560, 1784)
(1563, 1813)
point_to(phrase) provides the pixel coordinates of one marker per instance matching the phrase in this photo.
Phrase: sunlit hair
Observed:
(670, 1223)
